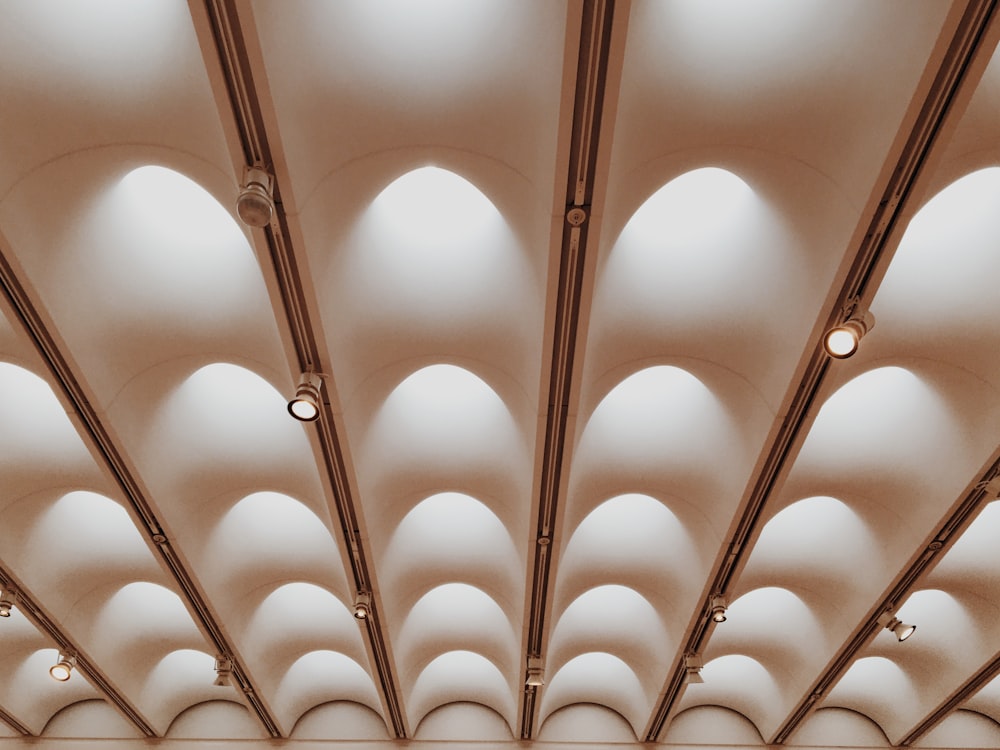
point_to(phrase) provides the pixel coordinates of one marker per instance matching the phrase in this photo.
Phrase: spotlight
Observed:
(718, 609)
(692, 670)
(536, 675)
(362, 605)
(842, 341)
(60, 671)
(223, 672)
(254, 204)
(7, 600)
(901, 630)
(304, 406)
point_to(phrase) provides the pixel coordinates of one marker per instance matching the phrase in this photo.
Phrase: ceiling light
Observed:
(254, 204)
(842, 341)
(7, 600)
(901, 630)
(536, 675)
(692, 670)
(362, 605)
(60, 671)
(223, 672)
(718, 609)
(304, 405)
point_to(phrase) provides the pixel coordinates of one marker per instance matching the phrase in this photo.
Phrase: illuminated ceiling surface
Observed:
(565, 268)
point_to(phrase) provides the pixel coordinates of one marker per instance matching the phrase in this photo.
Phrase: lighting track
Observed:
(592, 68)
(872, 257)
(237, 71)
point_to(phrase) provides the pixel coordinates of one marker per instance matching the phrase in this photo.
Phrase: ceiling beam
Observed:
(246, 103)
(86, 666)
(924, 559)
(966, 690)
(68, 384)
(585, 143)
(870, 261)
(8, 718)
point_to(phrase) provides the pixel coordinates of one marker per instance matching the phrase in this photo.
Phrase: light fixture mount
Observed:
(255, 204)
(692, 669)
(536, 673)
(223, 671)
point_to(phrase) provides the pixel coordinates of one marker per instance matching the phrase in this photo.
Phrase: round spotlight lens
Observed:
(4, 609)
(903, 631)
(303, 409)
(841, 342)
(60, 672)
(254, 206)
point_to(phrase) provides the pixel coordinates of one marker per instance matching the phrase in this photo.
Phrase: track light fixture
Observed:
(304, 406)
(843, 340)
(536, 674)
(254, 204)
(718, 609)
(692, 670)
(60, 671)
(223, 671)
(7, 601)
(363, 605)
(901, 630)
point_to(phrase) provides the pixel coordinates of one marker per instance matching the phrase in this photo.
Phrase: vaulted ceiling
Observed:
(565, 271)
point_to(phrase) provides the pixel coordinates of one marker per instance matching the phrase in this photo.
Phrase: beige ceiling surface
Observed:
(565, 269)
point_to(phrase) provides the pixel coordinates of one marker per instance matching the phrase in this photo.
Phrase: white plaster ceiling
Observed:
(539, 439)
